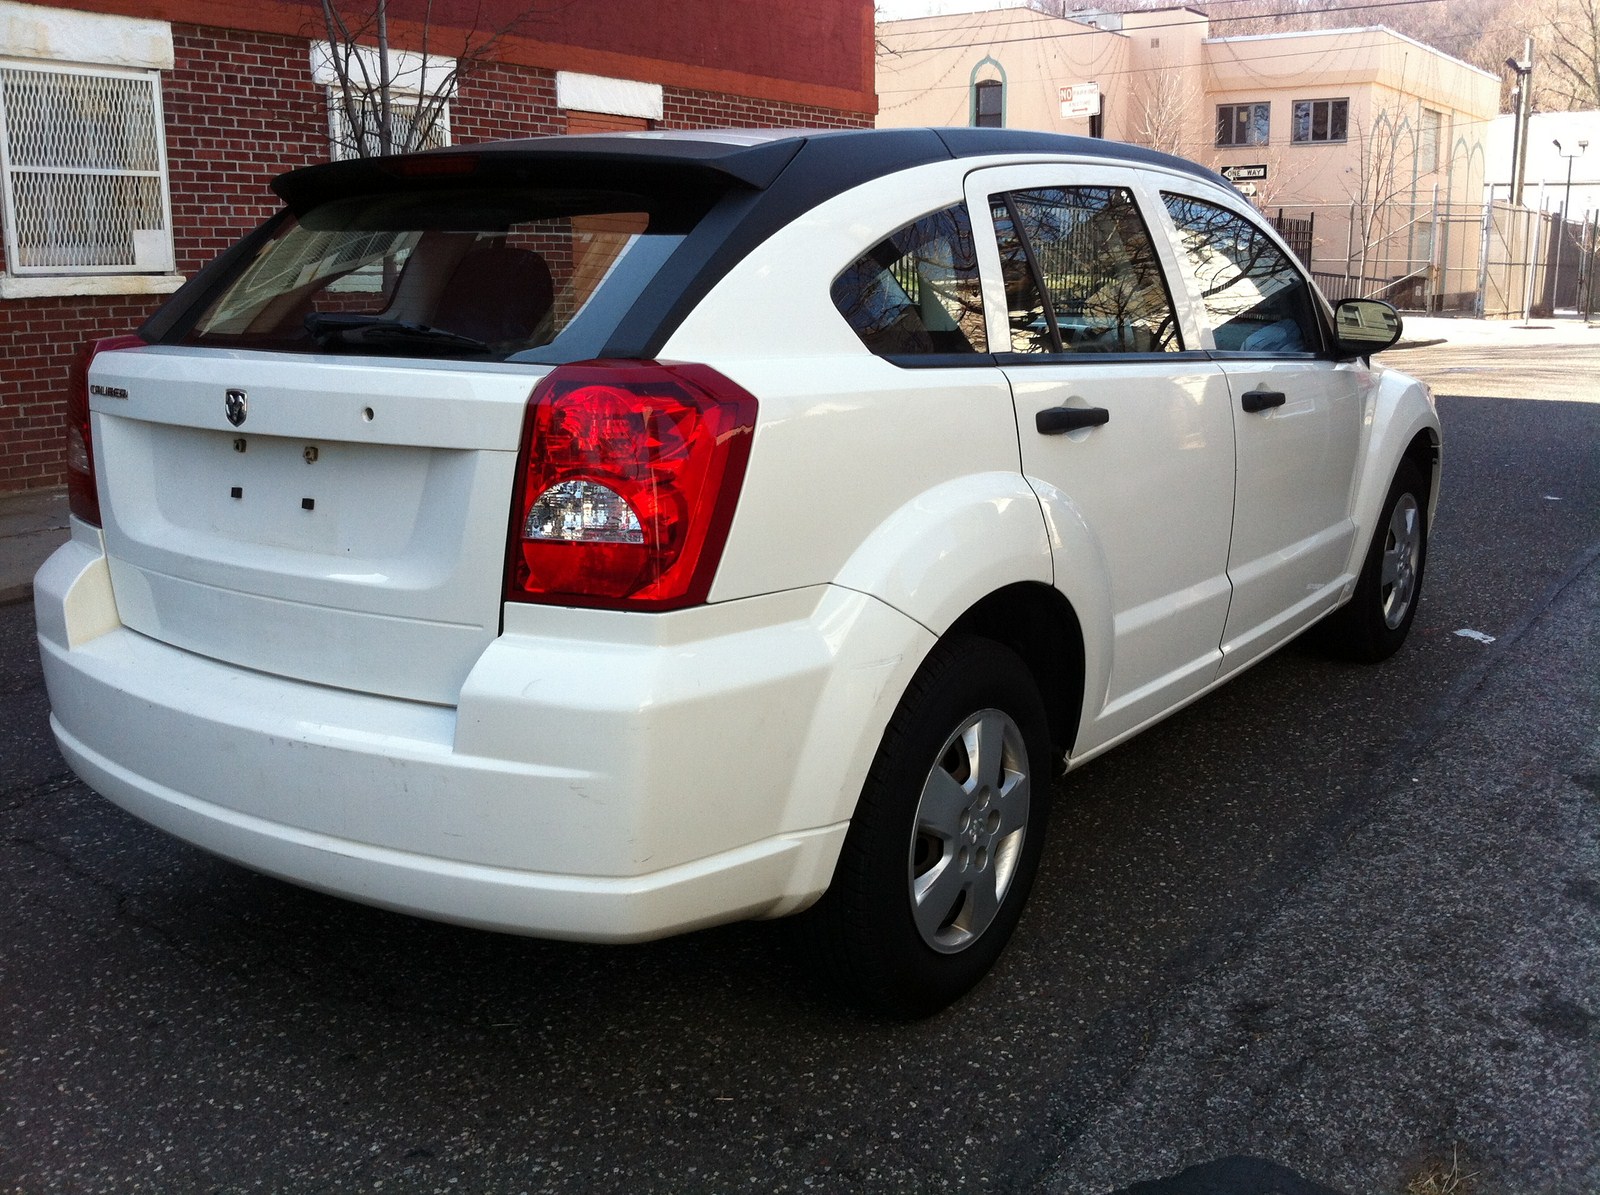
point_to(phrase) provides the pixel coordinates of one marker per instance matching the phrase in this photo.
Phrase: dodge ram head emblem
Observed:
(236, 406)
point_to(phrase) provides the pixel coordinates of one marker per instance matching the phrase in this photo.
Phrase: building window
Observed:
(415, 122)
(1243, 124)
(988, 109)
(1428, 132)
(420, 89)
(1321, 120)
(83, 171)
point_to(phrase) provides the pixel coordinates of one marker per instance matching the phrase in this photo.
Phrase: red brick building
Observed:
(140, 138)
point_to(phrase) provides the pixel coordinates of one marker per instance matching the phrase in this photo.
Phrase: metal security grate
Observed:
(413, 124)
(83, 163)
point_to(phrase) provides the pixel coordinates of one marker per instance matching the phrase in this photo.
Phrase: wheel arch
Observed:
(1038, 623)
(1423, 452)
(1405, 428)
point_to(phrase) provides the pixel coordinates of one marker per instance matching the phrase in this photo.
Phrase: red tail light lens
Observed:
(626, 485)
(83, 498)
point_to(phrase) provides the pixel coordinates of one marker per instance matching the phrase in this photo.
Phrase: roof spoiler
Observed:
(604, 162)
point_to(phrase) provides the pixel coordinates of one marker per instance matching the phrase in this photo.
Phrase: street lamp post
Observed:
(1523, 95)
(1561, 229)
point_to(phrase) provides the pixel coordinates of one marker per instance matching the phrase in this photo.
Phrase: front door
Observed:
(1297, 414)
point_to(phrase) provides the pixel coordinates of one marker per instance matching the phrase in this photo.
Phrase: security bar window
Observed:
(414, 124)
(83, 171)
(1321, 120)
(1243, 124)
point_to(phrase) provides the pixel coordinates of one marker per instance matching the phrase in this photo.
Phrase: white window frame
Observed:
(66, 41)
(152, 248)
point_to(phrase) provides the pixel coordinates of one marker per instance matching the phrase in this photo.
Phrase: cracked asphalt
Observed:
(1316, 933)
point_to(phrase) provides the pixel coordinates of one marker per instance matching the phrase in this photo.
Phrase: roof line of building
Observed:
(1356, 29)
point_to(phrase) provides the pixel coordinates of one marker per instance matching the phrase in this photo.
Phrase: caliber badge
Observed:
(236, 406)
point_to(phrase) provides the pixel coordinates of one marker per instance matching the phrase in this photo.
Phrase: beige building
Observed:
(1366, 144)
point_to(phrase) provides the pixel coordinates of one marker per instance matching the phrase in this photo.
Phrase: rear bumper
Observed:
(604, 777)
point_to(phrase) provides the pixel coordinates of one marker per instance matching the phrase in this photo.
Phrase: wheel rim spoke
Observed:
(988, 737)
(938, 894)
(983, 902)
(944, 799)
(1013, 804)
(1391, 565)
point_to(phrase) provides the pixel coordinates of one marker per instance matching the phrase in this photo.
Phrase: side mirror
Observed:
(1362, 327)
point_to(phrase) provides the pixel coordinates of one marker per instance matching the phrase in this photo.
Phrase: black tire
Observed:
(924, 899)
(1379, 615)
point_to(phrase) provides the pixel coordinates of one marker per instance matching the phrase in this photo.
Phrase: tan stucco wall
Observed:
(1163, 78)
(1035, 54)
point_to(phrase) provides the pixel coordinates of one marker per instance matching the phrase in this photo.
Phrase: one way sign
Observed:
(1245, 174)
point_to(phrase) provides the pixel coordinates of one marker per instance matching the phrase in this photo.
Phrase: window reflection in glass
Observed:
(1243, 124)
(1255, 298)
(917, 292)
(1320, 120)
(1081, 273)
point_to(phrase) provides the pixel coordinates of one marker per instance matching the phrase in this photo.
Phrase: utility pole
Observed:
(1561, 227)
(1523, 96)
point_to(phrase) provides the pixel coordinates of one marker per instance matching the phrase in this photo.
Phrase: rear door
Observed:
(349, 529)
(1125, 428)
(311, 474)
(1298, 416)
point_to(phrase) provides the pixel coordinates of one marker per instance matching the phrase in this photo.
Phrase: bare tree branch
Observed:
(384, 108)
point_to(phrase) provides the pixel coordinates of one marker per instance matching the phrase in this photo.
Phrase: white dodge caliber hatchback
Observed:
(601, 537)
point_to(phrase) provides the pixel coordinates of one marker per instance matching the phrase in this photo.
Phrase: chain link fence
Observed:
(1493, 260)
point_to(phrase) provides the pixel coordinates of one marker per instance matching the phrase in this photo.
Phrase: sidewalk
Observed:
(34, 522)
(32, 525)
(1431, 329)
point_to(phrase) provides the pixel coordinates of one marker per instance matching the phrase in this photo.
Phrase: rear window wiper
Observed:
(330, 327)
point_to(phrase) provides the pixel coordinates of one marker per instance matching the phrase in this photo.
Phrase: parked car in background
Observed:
(603, 537)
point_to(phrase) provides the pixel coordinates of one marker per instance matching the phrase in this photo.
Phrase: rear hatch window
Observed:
(474, 272)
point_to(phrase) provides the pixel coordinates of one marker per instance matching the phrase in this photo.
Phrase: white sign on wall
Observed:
(1081, 99)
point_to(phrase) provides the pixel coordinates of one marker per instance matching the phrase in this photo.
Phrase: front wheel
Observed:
(1379, 615)
(946, 838)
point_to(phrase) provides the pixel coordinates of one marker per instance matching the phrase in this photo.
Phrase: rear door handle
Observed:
(1261, 400)
(1055, 420)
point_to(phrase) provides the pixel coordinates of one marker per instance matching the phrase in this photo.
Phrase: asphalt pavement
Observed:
(1425, 999)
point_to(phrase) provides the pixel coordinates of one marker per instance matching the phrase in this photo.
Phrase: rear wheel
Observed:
(1378, 617)
(946, 839)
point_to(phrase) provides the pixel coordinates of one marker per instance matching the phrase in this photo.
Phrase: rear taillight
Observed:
(83, 499)
(626, 485)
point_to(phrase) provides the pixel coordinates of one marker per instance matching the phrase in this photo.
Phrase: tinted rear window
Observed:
(469, 272)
